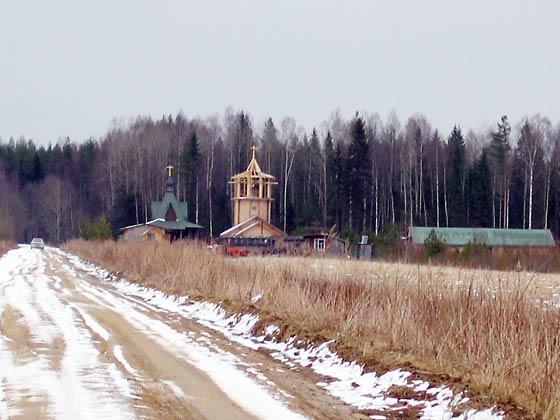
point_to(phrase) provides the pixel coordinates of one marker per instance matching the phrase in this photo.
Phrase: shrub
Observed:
(473, 249)
(433, 245)
(99, 229)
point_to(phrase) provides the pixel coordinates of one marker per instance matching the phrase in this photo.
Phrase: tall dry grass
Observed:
(500, 340)
(5, 247)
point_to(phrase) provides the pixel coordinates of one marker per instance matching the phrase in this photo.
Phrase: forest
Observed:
(362, 175)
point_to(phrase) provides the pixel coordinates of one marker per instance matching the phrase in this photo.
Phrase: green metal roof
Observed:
(159, 210)
(486, 236)
(174, 225)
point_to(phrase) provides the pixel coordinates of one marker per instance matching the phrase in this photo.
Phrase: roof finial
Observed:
(169, 170)
(254, 149)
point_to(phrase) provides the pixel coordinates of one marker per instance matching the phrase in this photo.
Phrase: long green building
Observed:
(484, 236)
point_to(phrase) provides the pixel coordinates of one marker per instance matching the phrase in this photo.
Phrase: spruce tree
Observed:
(359, 167)
(330, 179)
(189, 166)
(499, 149)
(455, 178)
(479, 195)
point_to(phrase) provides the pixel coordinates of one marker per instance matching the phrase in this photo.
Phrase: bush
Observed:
(473, 249)
(99, 229)
(433, 245)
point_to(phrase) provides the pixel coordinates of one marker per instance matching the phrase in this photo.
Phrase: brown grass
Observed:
(5, 247)
(493, 331)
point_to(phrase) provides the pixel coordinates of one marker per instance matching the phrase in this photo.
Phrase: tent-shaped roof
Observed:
(486, 236)
(253, 170)
(254, 227)
(159, 211)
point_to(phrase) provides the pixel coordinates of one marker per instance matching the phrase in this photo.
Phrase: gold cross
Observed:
(169, 169)
(254, 149)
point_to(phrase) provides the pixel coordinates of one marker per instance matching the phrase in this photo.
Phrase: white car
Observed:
(37, 243)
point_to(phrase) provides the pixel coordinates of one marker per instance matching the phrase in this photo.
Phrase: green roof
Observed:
(159, 211)
(174, 225)
(159, 208)
(486, 236)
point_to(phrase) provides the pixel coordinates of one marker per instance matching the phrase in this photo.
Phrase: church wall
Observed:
(260, 230)
(250, 208)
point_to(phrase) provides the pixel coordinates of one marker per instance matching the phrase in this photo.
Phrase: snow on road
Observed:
(36, 378)
(73, 349)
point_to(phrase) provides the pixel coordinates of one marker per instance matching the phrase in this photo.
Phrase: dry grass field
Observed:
(496, 332)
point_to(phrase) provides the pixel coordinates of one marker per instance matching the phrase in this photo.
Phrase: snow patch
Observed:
(93, 324)
(176, 390)
(117, 351)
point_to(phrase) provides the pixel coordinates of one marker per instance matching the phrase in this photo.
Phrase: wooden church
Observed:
(169, 219)
(252, 208)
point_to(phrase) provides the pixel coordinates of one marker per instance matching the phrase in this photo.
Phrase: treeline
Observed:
(364, 175)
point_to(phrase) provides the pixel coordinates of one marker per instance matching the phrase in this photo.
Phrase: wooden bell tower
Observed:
(252, 193)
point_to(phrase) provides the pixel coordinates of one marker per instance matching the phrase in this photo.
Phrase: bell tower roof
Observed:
(253, 169)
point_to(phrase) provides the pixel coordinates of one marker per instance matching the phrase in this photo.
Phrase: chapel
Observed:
(170, 219)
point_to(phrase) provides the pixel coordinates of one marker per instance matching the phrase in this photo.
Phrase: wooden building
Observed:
(143, 232)
(316, 240)
(169, 219)
(252, 208)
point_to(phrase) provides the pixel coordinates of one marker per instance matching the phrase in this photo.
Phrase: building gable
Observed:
(255, 227)
(160, 209)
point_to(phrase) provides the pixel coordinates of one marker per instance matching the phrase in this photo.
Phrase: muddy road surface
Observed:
(74, 347)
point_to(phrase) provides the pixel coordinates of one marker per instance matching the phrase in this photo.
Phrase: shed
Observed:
(143, 232)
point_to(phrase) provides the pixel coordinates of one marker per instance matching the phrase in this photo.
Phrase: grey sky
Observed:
(70, 67)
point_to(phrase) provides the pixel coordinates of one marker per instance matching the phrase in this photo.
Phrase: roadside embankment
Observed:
(491, 333)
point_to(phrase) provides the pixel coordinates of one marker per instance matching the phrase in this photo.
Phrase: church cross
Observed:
(254, 149)
(169, 169)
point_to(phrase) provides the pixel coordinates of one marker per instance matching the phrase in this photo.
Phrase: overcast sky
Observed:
(68, 68)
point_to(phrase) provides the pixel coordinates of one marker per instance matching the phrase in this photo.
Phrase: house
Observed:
(252, 208)
(169, 219)
(316, 239)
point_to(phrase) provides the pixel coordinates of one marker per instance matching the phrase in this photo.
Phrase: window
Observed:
(254, 189)
(319, 244)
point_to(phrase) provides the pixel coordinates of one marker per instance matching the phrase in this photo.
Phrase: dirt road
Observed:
(72, 347)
